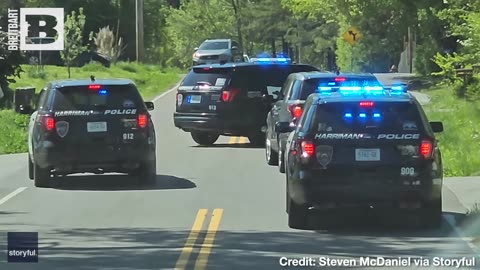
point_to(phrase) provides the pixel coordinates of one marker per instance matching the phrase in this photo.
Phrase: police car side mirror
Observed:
(195, 49)
(283, 127)
(437, 126)
(149, 105)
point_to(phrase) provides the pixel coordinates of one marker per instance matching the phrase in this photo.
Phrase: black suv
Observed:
(288, 108)
(91, 126)
(230, 99)
(371, 147)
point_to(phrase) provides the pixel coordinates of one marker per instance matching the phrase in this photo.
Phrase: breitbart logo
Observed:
(399, 136)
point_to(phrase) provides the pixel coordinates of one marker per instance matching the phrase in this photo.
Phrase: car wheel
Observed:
(204, 138)
(297, 215)
(257, 139)
(42, 177)
(30, 168)
(281, 160)
(270, 155)
(431, 215)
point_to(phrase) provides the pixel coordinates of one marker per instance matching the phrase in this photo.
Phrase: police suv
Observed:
(95, 126)
(231, 99)
(360, 144)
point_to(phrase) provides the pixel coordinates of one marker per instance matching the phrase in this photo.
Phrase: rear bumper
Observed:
(210, 123)
(304, 188)
(199, 121)
(93, 158)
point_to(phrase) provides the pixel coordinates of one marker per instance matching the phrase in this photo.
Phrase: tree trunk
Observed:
(68, 70)
(236, 11)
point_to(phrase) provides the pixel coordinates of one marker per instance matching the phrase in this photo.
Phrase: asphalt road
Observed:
(220, 207)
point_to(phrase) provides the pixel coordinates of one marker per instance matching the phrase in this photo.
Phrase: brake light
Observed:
(48, 122)
(94, 87)
(366, 104)
(426, 148)
(229, 95)
(307, 149)
(142, 120)
(340, 79)
(295, 110)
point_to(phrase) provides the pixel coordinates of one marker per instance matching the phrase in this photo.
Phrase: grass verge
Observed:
(150, 80)
(460, 141)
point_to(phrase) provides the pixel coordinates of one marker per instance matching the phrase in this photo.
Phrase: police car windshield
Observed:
(107, 97)
(310, 86)
(391, 117)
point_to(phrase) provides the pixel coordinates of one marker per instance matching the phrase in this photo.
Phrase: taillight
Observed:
(48, 122)
(229, 95)
(426, 149)
(142, 120)
(295, 110)
(307, 149)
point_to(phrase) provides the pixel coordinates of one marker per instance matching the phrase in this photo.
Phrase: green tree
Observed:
(9, 68)
(74, 25)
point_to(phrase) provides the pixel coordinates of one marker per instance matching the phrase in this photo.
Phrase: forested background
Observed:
(309, 29)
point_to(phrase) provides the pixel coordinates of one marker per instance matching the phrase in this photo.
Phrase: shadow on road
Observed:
(228, 145)
(120, 182)
(11, 213)
(154, 248)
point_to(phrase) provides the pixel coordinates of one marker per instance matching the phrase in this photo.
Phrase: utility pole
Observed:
(139, 29)
(410, 50)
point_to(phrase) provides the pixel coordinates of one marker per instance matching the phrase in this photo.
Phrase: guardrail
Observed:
(467, 73)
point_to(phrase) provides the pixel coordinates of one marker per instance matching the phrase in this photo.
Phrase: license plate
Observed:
(97, 126)
(367, 154)
(195, 99)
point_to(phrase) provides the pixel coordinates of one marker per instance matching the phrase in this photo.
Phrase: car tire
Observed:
(270, 155)
(431, 215)
(257, 139)
(204, 138)
(42, 177)
(281, 160)
(297, 215)
(30, 168)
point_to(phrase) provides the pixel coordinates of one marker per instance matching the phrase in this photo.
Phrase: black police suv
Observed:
(96, 126)
(230, 99)
(358, 146)
(288, 108)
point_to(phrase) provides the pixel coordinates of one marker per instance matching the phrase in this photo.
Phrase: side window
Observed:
(306, 119)
(295, 92)
(286, 88)
(42, 98)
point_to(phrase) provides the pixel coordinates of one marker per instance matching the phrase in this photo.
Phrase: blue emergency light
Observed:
(102, 92)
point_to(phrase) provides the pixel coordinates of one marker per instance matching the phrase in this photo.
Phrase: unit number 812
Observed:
(128, 136)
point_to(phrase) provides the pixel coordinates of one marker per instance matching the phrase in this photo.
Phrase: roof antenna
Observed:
(337, 71)
(92, 78)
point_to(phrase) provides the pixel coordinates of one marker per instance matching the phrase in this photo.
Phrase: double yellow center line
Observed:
(202, 259)
(239, 140)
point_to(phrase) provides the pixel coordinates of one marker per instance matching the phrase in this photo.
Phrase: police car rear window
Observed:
(268, 78)
(105, 97)
(214, 77)
(397, 117)
(310, 86)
